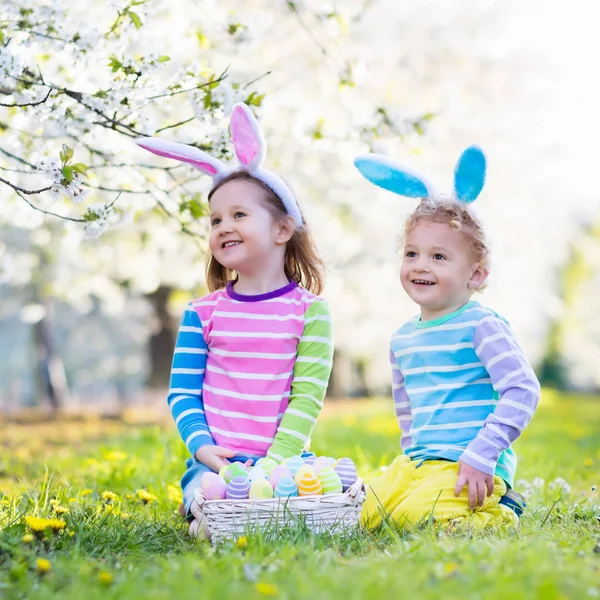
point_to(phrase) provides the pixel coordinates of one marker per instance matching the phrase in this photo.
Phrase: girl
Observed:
(253, 357)
(463, 389)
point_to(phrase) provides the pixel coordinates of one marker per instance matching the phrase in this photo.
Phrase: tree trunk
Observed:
(161, 342)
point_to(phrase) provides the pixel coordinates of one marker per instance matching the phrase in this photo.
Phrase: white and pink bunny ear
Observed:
(197, 158)
(249, 144)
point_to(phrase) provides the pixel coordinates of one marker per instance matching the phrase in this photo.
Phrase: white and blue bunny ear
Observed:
(469, 174)
(393, 176)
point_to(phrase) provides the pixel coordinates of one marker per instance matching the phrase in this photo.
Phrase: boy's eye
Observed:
(239, 214)
(439, 257)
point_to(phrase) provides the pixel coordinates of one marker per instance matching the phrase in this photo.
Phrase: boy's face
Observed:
(439, 271)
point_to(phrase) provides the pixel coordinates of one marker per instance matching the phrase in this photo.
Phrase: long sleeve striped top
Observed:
(250, 372)
(463, 389)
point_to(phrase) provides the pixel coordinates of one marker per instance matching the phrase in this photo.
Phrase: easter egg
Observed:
(260, 490)
(302, 471)
(277, 473)
(256, 473)
(293, 463)
(309, 457)
(322, 462)
(268, 464)
(238, 488)
(330, 481)
(285, 488)
(235, 469)
(213, 486)
(346, 469)
(309, 485)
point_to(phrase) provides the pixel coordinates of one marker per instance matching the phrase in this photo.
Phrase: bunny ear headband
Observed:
(250, 150)
(469, 176)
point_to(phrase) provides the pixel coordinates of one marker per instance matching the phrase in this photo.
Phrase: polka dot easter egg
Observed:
(238, 488)
(256, 473)
(293, 463)
(213, 486)
(330, 481)
(260, 490)
(322, 462)
(268, 464)
(285, 488)
(346, 469)
(309, 485)
(277, 473)
(302, 471)
(235, 469)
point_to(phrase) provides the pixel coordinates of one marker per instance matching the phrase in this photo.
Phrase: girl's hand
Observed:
(478, 484)
(214, 457)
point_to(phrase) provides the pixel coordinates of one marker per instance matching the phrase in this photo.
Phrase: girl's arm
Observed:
(187, 377)
(309, 383)
(401, 404)
(517, 387)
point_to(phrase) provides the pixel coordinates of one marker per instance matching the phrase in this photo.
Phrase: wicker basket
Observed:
(333, 513)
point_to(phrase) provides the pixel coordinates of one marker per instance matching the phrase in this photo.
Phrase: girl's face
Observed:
(244, 236)
(439, 271)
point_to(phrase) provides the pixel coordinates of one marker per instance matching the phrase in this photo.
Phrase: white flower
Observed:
(538, 483)
(560, 484)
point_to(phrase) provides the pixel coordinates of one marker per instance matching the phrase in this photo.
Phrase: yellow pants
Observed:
(409, 494)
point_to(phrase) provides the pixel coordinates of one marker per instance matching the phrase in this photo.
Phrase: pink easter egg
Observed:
(213, 486)
(277, 473)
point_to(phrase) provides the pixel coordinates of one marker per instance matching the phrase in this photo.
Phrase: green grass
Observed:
(144, 550)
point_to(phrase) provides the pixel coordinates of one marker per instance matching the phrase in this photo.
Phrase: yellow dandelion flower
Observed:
(109, 496)
(111, 509)
(4, 502)
(54, 502)
(129, 496)
(588, 462)
(115, 455)
(85, 492)
(71, 533)
(56, 524)
(61, 510)
(267, 589)
(105, 578)
(175, 494)
(450, 568)
(27, 538)
(72, 500)
(146, 496)
(37, 524)
(43, 565)
(242, 542)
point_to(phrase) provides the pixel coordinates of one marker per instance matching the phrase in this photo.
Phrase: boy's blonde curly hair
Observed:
(460, 218)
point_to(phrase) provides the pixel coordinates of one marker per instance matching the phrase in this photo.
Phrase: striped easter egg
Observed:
(256, 473)
(235, 469)
(277, 473)
(285, 488)
(238, 488)
(260, 490)
(268, 464)
(346, 469)
(323, 461)
(293, 463)
(309, 485)
(309, 457)
(330, 481)
(302, 471)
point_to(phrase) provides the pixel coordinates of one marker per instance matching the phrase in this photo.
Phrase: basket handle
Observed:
(354, 489)
(200, 497)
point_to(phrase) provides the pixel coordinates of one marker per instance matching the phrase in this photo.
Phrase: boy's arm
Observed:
(401, 404)
(187, 378)
(517, 387)
(309, 383)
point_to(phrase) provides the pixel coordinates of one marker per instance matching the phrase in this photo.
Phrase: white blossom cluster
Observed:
(95, 227)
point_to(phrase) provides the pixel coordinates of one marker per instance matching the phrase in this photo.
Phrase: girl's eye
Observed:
(439, 257)
(215, 222)
(410, 254)
(239, 214)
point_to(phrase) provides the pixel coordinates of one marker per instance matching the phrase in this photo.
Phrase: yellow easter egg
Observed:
(309, 485)
(260, 490)
(302, 471)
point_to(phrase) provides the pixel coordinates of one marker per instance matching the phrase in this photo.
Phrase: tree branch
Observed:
(23, 190)
(17, 104)
(50, 213)
(175, 125)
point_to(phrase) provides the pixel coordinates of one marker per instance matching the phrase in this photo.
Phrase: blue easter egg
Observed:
(285, 488)
(293, 463)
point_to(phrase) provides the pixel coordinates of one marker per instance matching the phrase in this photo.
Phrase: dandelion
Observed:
(61, 510)
(115, 455)
(43, 565)
(85, 492)
(54, 502)
(27, 538)
(72, 500)
(37, 524)
(146, 496)
(242, 542)
(588, 462)
(174, 494)
(105, 578)
(538, 483)
(56, 525)
(560, 484)
(108, 496)
(267, 589)
(71, 533)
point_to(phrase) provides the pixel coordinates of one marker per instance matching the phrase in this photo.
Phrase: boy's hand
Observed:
(478, 484)
(214, 457)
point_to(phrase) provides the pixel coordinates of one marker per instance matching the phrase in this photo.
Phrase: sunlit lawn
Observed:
(132, 543)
